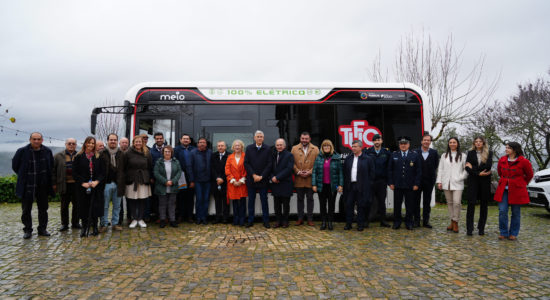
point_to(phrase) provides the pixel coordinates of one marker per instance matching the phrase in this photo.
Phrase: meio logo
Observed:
(358, 130)
(174, 97)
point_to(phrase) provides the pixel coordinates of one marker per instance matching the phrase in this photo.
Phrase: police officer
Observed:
(381, 158)
(404, 175)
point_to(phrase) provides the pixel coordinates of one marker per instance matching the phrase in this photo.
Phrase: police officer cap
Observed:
(404, 140)
(376, 137)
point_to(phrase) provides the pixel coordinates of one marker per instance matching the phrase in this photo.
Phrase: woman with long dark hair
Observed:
(515, 172)
(88, 172)
(450, 179)
(479, 161)
(135, 179)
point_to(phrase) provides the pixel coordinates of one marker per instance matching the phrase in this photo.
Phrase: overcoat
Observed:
(516, 175)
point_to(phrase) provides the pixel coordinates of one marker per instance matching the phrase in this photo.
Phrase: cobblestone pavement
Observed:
(227, 262)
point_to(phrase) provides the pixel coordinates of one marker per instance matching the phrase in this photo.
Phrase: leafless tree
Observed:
(108, 123)
(453, 94)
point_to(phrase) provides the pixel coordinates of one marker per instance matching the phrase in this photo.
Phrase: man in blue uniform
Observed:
(429, 159)
(404, 174)
(381, 157)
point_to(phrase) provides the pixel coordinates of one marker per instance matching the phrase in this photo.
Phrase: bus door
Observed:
(165, 124)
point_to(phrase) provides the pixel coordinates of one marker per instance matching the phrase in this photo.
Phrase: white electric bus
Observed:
(341, 112)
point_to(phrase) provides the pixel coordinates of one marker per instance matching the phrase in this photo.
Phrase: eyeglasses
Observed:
(71, 143)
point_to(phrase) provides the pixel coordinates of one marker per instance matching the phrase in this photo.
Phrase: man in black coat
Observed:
(257, 162)
(429, 159)
(219, 182)
(404, 174)
(358, 178)
(381, 158)
(281, 182)
(33, 165)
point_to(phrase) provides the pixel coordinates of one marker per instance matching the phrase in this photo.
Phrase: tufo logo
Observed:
(358, 130)
(174, 97)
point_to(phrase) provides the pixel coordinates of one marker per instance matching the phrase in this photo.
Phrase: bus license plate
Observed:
(533, 195)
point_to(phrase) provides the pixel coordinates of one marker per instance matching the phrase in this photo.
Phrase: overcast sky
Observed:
(59, 59)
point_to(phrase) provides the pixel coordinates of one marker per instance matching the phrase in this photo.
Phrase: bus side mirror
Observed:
(93, 120)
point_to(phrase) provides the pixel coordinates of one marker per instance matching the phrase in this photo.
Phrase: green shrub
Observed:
(7, 190)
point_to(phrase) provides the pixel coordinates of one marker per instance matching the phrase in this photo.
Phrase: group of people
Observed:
(170, 182)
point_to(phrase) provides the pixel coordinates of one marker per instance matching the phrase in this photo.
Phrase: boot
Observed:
(450, 227)
(455, 226)
(323, 225)
(330, 227)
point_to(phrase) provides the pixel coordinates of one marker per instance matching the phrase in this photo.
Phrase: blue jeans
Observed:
(110, 193)
(252, 203)
(202, 192)
(503, 217)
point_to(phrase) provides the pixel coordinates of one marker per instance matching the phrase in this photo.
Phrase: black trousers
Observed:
(327, 196)
(398, 196)
(41, 195)
(220, 200)
(136, 207)
(282, 209)
(66, 199)
(90, 205)
(354, 197)
(479, 187)
(185, 204)
(425, 192)
(300, 194)
(379, 193)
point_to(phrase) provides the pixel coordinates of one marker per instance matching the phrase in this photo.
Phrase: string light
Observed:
(17, 131)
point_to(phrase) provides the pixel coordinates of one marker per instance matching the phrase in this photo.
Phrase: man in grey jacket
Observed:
(65, 184)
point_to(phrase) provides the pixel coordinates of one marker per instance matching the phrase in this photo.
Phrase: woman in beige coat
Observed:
(450, 178)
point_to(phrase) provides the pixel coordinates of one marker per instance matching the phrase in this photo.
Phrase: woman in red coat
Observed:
(515, 172)
(236, 177)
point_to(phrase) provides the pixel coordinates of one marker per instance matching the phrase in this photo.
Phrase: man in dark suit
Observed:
(219, 183)
(257, 161)
(381, 158)
(185, 201)
(358, 178)
(429, 159)
(281, 182)
(404, 174)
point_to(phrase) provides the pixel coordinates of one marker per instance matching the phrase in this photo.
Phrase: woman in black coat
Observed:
(281, 182)
(88, 173)
(479, 161)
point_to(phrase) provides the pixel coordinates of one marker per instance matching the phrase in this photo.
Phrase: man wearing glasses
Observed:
(65, 184)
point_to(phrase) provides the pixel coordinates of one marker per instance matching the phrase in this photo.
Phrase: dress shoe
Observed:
(215, 221)
(277, 225)
(285, 225)
(117, 228)
(197, 222)
(173, 224)
(482, 232)
(416, 224)
(95, 232)
(409, 227)
(347, 227)
(102, 229)
(310, 223)
(162, 224)
(299, 222)
(501, 237)
(455, 227)
(360, 228)
(396, 226)
(330, 226)
(83, 232)
(204, 222)
(512, 238)
(366, 225)
(427, 225)
(266, 225)
(384, 224)
(450, 227)
(323, 226)
(77, 226)
(190, 220)
(64, 228)
(469, 233)
(44, 233)
(27, 235)
(248, 225)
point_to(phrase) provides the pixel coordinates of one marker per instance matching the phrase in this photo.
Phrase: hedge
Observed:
(7, 190)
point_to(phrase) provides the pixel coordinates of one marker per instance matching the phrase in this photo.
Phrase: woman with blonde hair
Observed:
(236, 177)
(327, 180)
(450, 178)
(88, 172)
(134, 180)
(479, 161)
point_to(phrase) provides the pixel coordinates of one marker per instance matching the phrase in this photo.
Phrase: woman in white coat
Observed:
(450, 178)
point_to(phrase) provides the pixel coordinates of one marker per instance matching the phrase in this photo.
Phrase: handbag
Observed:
(182, 183)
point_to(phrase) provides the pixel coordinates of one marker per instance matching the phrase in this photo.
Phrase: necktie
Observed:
(403, 154)
(277, 158)
(221, 155)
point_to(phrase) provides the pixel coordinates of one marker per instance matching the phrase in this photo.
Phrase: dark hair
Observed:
(305, 133)
(458, 153)
(516, 147)
(427, 134)
(112, 134)
(30, 136)
(185, 134)
(202, 138)
(157, 134)
(86, 141)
